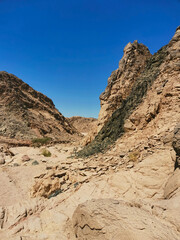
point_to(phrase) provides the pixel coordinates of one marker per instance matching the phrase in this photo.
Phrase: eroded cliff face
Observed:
(153, 99)
(26, 113)
(121, 81)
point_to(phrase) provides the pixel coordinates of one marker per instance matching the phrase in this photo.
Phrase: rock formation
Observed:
(153, 94)
(121, 81)
(176, 144)
(113, 219)
(26, 113)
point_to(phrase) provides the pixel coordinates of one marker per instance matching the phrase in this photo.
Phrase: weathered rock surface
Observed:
(176, 139)
(112, 219)
(2, 159)
(173, 185)
(152, 99)
(121, 81)
(26, 113)
(176, 144)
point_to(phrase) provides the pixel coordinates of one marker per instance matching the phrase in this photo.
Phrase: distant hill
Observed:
(82, 124)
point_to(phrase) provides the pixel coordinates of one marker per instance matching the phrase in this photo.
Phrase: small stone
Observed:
(16, 165)
(35, 163)
(101, 173)
(130, 165)
(159, 90)
(167, 139)
(48, 167)
(122, 154)
(129, 126)
(66, 177)
(98, 169)
(25, 158)
(2, 161)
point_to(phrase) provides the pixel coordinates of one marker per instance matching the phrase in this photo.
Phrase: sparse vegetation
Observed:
(46, 153)
(133, 156)
(38, 142)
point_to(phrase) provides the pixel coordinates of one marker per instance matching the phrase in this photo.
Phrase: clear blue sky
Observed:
(67, 49)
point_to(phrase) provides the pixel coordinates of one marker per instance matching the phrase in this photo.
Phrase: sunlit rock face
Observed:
(143, 93)
(121, 80)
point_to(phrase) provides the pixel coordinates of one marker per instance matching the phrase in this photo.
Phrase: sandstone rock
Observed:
(25, 158)
(121, 81)
(168, 138)
(176, 139)
(2, 161)
(130, 165)
(113, 219)
(50, 184)
(172, 185)
(132, 96)
(46, 187)
(129, 126)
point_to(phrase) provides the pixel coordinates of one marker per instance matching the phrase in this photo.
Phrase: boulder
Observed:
(173, 185)
(105, 219)
(25, 158)
(2, 160)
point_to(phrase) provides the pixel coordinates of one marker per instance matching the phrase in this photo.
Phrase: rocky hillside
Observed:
(152, 94)
(82, 124)
(26, 113)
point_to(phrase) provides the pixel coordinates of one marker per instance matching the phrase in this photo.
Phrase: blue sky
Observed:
(68, 49)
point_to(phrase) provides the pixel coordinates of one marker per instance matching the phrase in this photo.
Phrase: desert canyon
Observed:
(112, 178)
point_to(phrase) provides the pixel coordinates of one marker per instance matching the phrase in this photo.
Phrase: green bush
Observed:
(133, 156)
(46, 153)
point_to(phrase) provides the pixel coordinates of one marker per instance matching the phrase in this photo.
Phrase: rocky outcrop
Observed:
(26, 113)
(152, 99)
(176, 144)
(173, 185)
(121, 81)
